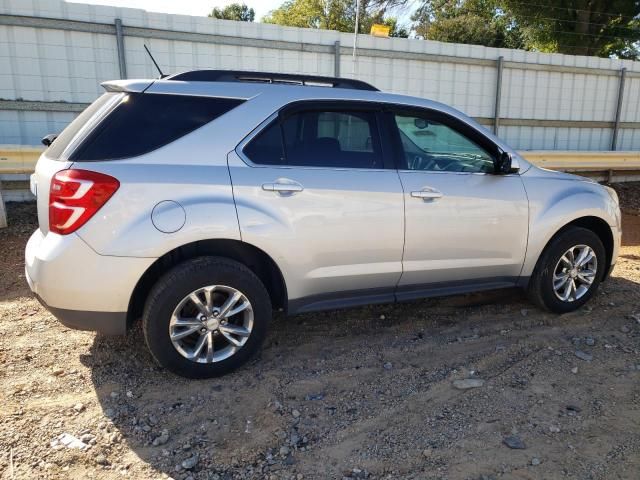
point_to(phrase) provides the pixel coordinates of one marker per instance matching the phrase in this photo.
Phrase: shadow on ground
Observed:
(351, 392)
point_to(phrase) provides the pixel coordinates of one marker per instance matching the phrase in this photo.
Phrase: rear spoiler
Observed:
(134, 86)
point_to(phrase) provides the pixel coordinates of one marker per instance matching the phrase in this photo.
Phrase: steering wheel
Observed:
(419, 162)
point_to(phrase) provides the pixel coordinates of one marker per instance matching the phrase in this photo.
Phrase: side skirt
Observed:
(356, 298)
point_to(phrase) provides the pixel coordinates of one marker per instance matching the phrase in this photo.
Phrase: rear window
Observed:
(68, 134)
(143, 122)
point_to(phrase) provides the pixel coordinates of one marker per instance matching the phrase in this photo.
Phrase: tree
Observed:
(234, 11)
(477, 22)
(337, 15)
(581, 27)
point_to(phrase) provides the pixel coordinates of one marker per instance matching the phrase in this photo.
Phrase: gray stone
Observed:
(315, 396)
(284, 450)
(388, 366)
(587, 357)
(468, 383)
(535, 461)
(190, 462)
(162, 438)
(514, 442)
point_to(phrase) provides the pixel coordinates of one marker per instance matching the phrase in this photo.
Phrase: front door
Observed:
(466, 227)
(316, 191)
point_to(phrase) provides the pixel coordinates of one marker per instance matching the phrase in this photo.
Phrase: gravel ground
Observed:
(467, 387)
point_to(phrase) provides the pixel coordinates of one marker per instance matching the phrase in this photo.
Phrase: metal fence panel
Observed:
(59, 52)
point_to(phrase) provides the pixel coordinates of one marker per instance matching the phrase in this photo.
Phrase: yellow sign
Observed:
(378, 30)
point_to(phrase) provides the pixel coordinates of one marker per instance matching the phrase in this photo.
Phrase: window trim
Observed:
(292, 108)
(446, 119)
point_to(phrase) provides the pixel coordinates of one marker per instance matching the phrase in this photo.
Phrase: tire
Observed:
(171, 310)
(541, 285)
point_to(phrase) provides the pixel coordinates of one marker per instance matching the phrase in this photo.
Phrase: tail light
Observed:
(75, 196)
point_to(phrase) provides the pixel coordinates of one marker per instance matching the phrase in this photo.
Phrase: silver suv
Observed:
(205, 200)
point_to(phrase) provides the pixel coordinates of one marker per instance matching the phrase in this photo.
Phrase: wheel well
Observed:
(600, 228)
(252, 257)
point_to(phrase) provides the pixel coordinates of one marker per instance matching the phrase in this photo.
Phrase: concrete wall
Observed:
(53, 52)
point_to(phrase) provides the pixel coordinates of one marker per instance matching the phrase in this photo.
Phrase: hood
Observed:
(536, 171)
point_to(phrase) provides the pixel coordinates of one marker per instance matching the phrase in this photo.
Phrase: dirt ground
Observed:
(362, 393)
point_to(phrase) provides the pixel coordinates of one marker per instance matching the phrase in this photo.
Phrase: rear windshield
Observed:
(139, 123)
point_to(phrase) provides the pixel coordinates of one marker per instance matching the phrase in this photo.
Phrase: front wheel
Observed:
(206, 317)
(569, 271)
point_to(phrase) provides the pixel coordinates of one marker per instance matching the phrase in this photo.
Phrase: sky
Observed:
(196, 7)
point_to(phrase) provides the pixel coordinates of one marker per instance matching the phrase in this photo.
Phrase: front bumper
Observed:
(617, 242)
(83, 289)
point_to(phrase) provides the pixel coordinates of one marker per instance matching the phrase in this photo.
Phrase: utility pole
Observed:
(355, 37)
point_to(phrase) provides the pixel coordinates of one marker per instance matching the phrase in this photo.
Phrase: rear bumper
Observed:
(108, 323)
(83, 289)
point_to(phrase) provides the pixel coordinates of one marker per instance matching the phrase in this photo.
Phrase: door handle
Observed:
(427, 194)
(282, 188)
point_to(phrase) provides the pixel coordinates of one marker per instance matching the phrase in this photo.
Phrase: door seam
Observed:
(404, 235)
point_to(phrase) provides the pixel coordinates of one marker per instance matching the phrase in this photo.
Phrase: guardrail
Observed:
(17, 162)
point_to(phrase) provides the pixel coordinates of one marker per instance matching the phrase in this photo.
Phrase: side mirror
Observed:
(504, 164)
(49, 139)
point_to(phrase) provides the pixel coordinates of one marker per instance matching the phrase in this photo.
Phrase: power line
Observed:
(607, 25)
(569, 9)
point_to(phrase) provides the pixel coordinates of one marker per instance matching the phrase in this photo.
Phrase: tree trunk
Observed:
(582, 41)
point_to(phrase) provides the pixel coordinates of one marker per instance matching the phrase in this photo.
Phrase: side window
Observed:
(317, 138)
(433, 146)
(266, 147)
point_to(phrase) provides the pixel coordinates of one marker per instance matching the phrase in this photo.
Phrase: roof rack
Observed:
(265, 77)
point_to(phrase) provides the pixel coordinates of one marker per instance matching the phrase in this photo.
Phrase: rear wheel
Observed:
(206, 317)
(569, 271)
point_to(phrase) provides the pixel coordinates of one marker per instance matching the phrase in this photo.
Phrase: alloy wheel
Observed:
(574, 273)
(211, 324)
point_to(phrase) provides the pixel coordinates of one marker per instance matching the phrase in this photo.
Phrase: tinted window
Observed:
(266, 147)
(143, 122)
(434, 146)
(333, 139)
(68, 134)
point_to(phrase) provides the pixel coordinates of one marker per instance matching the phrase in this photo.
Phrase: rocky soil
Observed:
(468, 387)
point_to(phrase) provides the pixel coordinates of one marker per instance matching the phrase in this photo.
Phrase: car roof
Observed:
(270, 97)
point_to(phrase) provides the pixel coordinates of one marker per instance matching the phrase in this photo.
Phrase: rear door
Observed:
(316, 189)
(466, 227)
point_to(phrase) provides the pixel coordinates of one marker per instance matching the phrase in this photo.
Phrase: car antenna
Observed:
(162, 75)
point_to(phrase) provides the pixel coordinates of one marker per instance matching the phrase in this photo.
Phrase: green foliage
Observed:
(234, 11)
(581, 27)
(478, 22)
(337, 15)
